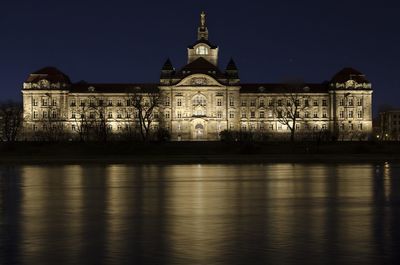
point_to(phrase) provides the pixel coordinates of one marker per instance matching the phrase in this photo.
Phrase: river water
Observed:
(200, 214)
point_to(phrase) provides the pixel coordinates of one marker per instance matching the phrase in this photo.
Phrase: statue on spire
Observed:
(202, 32)
(203, 19)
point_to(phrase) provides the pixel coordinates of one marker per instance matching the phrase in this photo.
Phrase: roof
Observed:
(349, 73)
(284, 88)
(200, 66)
(83, 87)
(212, 46)
(49, 73)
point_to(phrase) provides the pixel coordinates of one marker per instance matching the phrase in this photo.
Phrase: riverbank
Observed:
(197, 152)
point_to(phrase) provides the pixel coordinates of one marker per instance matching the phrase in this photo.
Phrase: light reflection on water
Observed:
(200, 214)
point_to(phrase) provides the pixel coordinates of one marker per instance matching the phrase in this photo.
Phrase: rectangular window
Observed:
(350, 102)
(360, 127)
(243, 115)
(34, 102)
(231, 115)
(350, 114)
(297, 102)
(219, 114)
(73, 127)
(54, 115)
(167, 115)
(262, 115)
(179, 102)
(219, 102)
(44, 102)
(54, 102)
(252, 102)
(244, 103)
(119, 103)
(35, 115)
(341, 102)
(73, 102)
(279, 102)
(315, 103)
(252, 114)
(297, 114)
(261, 102)
(91, 103)
(167, 101)
(324, 102)
(82, 103)
(324, 115)
(128, 102)
(101, 102)
(351, 127)
(360, 114)
(306, 114)
(110, 115)
(119, 115)
(271, 127)
(128, 115)
(179, 114)
(73, 115)
(109, 103)
(91, 115)
(45, 114)
(341, 114)
(315, 114)
(359, 102)
(231, 102)
(270, 103)
(306, 104)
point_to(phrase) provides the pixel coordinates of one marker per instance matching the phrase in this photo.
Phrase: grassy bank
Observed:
(197, 152)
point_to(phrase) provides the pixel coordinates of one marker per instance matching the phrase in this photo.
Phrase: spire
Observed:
(232, 71)
(231, 66)
(167, 66)
(167, 71)
(202, 32)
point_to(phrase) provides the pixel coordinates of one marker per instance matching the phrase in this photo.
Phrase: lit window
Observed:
(201, 50)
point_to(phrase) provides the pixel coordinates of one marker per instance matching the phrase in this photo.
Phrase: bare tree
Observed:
(81, 121)
(287, 110)
(99, 123)
(11, 119)
(52, 124)
(145, 106)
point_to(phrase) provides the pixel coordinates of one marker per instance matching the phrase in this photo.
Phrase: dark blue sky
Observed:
(271, 41)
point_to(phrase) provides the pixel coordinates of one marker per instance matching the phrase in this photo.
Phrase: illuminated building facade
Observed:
(199, 100)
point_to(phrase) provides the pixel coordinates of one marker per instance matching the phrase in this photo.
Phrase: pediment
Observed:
(199, 80)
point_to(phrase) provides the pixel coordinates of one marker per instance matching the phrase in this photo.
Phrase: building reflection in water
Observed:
(200, 214)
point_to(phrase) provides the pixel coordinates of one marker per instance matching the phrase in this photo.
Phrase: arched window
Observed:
(199, 100)
(202, 50)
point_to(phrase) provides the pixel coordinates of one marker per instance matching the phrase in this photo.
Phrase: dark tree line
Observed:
(11, 121)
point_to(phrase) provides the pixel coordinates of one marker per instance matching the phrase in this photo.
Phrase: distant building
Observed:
(389, 125)
(199, 100)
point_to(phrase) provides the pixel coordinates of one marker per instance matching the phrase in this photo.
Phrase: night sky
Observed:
(271, 41)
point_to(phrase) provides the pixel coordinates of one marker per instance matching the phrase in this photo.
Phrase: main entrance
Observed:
(199, 131)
